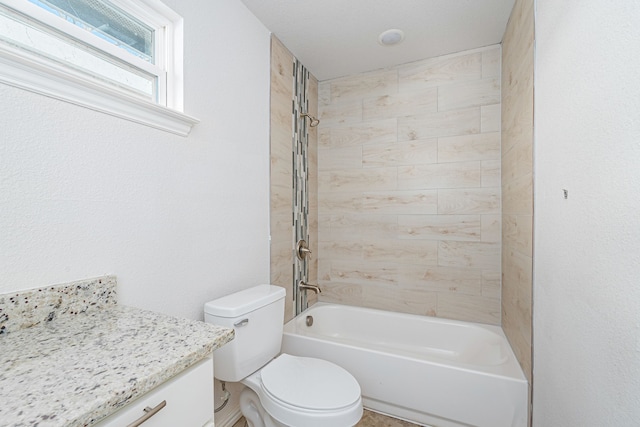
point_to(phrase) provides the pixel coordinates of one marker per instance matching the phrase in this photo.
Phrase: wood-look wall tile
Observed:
(470, 308)
(469, 94)
(518, 161)
(349, 180)
(466, 281)
(440, 227)
(490, 118)
(384, 131)
(324, 93)
(518, 196)
(400, 298)
(368, 250)
(441, 175)
(437, 71)
(281, 169)
(340, 292)
(324, 226)
(340, 112)
(491, 173)
(402, 104)
(324, 182)
(355, 226)
(340, 158)
(312, 97)
(469, 201)
(400, 251)
(345, 227)
(343, 203)
(438, 124)
(281, 199)
(517, 233)
(491, 228)
(469, 254)
(364, 273)
(324, 270)
(517, 123)
(402, 153)
(491, 283)
(492, 62)
(281, 224)
(338, 249)
(400, 202)
(481, 146)
(281, 264)
(378, 226)
(381, 82)
(518, 38)
(281, 60)
(517, 274)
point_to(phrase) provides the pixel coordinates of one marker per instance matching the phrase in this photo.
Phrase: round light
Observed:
(390, 37)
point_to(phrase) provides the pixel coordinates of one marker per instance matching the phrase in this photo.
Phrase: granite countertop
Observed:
(78, 369)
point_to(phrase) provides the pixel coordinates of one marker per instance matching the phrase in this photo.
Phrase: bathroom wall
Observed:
(517, 181)
(179, 221)
(282, 171)
(409, 187)
(587, 246)
(282, 122)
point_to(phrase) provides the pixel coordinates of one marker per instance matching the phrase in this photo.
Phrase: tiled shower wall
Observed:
(409, 187)
(281, 211)
(517, 181)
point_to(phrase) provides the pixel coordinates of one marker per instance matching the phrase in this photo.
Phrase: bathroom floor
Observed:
(369, 419)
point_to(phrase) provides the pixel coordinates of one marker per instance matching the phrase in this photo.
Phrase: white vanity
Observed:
(186, 399)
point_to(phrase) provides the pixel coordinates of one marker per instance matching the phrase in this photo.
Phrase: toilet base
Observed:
(254, 412)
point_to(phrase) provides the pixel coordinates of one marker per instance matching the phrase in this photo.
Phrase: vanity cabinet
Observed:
(188, 397)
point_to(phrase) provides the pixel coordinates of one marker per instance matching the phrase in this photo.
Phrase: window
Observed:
(97, 53)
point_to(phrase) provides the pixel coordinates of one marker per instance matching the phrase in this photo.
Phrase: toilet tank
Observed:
(257, 317)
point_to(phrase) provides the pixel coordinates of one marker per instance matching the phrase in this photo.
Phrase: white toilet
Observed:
(286, 391)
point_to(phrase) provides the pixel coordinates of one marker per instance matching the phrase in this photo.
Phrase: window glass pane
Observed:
(28, 36)
(107, 22)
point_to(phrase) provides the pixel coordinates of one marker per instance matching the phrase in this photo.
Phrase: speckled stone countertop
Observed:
(76, 370)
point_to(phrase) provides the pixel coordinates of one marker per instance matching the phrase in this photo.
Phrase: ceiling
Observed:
(334, 38)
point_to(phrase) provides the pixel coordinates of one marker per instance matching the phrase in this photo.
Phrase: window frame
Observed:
(36, 73)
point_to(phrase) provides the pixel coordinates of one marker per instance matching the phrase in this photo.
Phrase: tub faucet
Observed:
(314, 288)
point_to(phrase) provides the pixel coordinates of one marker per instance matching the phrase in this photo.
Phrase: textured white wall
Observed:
(178, 220)
(587, 248)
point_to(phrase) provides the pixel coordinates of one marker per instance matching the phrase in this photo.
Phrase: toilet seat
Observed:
(309, 383)
(308, 392)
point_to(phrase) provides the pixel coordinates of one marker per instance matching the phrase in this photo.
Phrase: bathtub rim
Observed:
(511, 365)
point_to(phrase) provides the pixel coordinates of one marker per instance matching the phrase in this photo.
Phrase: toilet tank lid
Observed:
(243, 302)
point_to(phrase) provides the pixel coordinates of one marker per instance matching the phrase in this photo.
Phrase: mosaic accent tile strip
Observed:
(24, 309)
(300, 177)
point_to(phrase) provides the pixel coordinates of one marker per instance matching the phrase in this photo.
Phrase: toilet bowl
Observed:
(285, 391)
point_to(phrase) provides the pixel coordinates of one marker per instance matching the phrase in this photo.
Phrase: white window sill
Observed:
(58, 83)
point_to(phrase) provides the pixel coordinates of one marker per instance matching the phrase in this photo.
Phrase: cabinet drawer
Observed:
(188, 396)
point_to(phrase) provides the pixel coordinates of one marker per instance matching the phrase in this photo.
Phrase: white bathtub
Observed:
(426, 370)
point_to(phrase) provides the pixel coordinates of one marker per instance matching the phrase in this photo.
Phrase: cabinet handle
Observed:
(150, 412)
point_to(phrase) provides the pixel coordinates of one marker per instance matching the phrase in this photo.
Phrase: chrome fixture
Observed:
(302, 250)
(313, 121)
(314, 288)
(309, 320)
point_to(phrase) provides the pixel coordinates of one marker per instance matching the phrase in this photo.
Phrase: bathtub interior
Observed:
(463, 343)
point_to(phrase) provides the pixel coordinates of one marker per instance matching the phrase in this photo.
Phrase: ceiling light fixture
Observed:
(391, 37)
